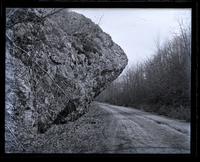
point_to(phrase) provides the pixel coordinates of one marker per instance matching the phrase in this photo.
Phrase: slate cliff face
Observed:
(57, 62)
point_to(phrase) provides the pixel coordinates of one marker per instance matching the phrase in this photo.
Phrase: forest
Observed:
(161, 84)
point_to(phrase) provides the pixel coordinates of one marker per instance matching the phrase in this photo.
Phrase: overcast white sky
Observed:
(136, 30)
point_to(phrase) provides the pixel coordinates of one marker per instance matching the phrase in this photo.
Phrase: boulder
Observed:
(57, 62)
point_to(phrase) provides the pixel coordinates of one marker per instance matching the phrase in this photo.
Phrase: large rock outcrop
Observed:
(57, 62)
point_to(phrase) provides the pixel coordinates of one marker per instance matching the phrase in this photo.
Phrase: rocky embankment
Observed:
(57, 62)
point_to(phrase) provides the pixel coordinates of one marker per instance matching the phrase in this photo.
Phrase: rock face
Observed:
(57, 62)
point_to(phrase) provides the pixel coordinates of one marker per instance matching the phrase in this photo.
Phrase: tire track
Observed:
(136, 131)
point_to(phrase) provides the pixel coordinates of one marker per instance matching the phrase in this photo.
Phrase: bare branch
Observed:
(52, 13)
(37, 65)
(15, 138)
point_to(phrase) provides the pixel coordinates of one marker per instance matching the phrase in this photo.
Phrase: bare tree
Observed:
(161, 82)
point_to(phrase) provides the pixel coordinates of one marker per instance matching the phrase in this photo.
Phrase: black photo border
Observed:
(193, 4)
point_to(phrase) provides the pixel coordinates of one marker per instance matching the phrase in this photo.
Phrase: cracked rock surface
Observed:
(57, 62)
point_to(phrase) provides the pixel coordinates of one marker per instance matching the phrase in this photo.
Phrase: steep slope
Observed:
(57, 62)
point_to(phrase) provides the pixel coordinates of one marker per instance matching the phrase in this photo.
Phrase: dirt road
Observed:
(134, 131)
(113, 129)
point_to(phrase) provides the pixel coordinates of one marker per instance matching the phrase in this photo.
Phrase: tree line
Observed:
(160, 84)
